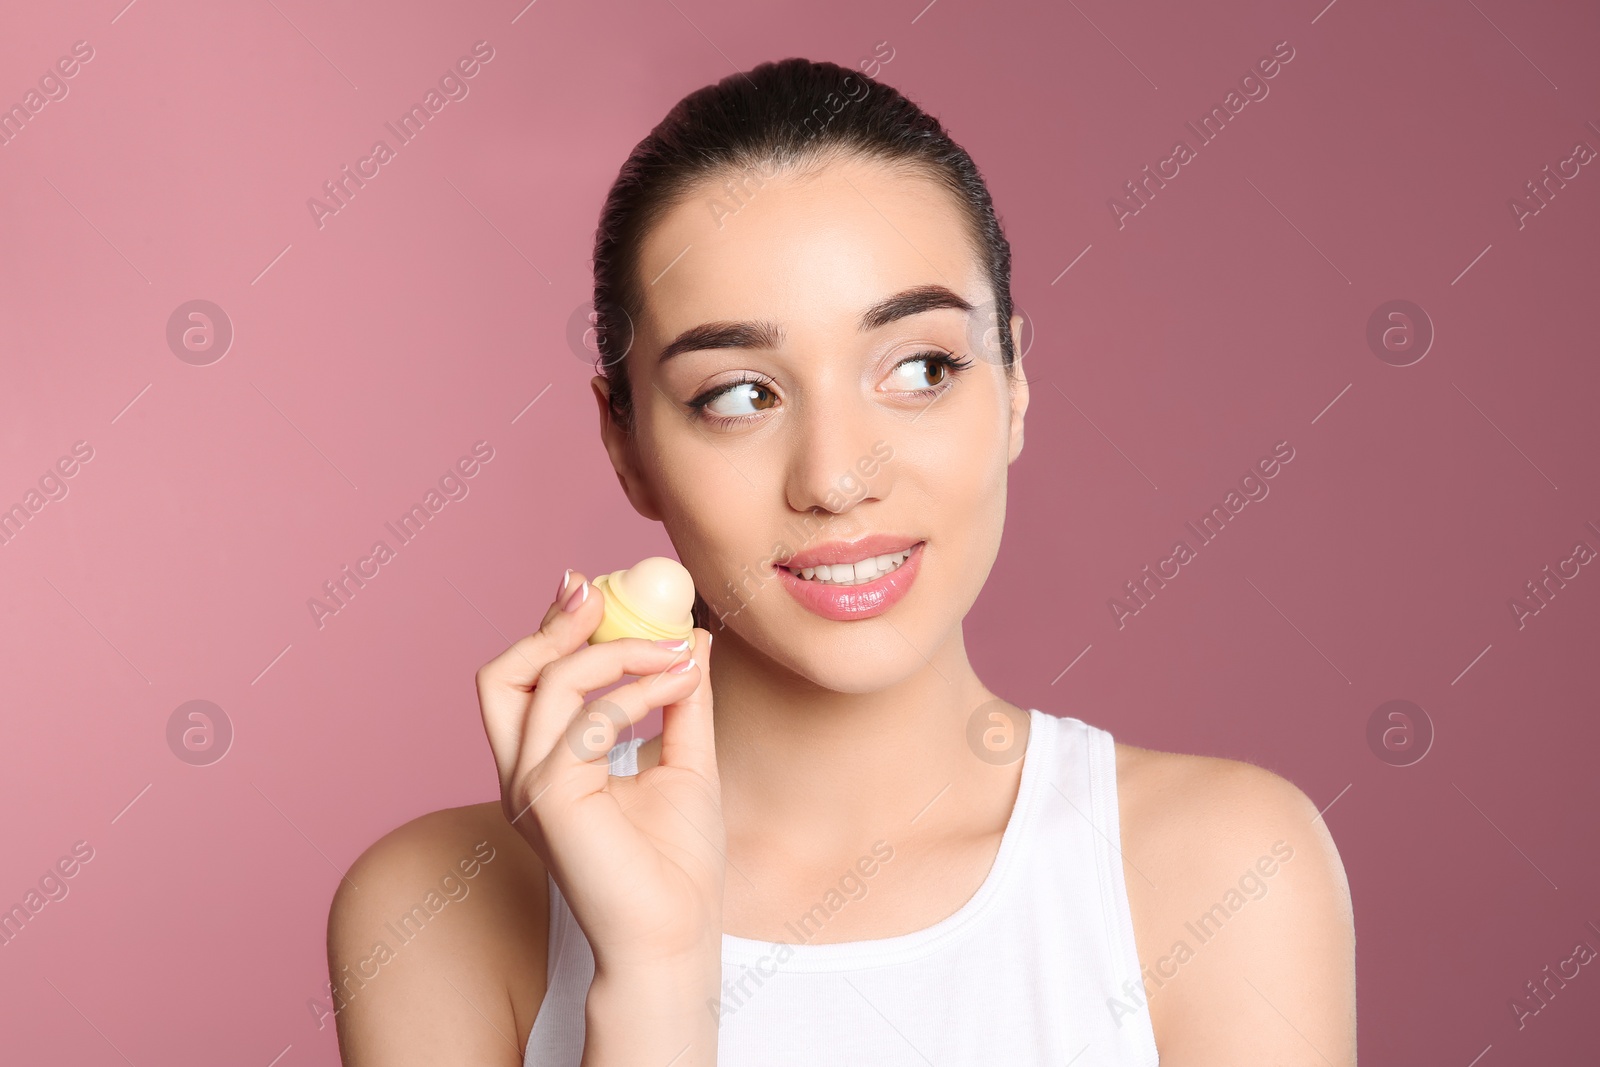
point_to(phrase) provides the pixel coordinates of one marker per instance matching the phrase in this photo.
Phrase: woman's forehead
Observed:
(810, 250)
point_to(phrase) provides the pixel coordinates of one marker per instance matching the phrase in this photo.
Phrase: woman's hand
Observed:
(640, 860)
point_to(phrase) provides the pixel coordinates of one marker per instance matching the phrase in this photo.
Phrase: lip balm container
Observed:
(653, 599)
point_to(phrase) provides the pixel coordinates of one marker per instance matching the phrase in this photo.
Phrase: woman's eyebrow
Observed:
(911, 302)
(723, 335)
(710, 335)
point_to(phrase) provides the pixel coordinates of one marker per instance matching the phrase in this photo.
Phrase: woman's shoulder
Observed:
(457, 896)
(1210, 842)
(1172, 792)
(1198, 817)
(472, 843)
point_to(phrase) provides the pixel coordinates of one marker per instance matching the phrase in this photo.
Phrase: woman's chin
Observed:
(843, 657)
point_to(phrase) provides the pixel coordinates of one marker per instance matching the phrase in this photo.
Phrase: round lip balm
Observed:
(653, 599)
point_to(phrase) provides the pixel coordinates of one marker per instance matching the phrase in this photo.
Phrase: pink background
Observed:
(369, 354)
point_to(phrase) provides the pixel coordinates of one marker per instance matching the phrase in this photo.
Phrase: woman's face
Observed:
(814, 411)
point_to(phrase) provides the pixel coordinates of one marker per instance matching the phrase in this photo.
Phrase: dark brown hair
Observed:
(791, 113)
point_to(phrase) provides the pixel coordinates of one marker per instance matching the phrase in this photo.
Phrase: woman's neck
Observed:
(820, 770)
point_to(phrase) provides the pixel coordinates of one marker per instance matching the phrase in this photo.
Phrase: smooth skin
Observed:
(746, 810)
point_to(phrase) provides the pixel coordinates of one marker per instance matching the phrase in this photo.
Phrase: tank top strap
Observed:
(624, 757)
(1083, 857)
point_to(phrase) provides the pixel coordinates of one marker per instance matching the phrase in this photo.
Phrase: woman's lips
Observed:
(843, 603)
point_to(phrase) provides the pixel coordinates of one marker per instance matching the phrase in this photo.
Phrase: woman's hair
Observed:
(790, 114)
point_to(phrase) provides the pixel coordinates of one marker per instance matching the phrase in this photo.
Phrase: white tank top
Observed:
(1037, 967)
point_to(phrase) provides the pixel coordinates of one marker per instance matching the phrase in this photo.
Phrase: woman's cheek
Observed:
(715, 517)
(958, 460)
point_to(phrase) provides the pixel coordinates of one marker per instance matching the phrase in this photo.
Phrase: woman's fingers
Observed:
(564, 725)
(505, 684)
(687, 737)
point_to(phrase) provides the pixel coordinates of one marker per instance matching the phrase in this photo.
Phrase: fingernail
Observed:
(680, 645)
(710, 637)
(682, 667)
(578, 597)
(565, 578)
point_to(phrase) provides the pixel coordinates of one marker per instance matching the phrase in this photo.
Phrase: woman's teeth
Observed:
(868, 570)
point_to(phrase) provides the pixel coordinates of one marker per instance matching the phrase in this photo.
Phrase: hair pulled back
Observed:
(788, 114)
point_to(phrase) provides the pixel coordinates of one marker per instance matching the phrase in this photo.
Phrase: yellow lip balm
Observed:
(653, 599)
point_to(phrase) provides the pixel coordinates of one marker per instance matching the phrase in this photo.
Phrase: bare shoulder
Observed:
(436, 943)
(1241, 911)
(1168, 798)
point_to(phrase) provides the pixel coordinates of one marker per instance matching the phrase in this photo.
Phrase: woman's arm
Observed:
(1242, 915)
(438, 958)
(461, 984)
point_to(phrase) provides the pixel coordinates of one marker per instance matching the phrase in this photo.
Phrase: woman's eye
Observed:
(927, 371)
(741, 398)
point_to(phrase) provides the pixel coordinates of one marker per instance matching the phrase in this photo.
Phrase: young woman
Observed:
(858, 852)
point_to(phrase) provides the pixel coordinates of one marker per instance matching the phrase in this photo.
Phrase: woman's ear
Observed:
(619, 446)
(1019, 390)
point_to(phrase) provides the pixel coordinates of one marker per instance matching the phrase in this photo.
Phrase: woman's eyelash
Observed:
(699, 402)
(941, 358)
(933, 358)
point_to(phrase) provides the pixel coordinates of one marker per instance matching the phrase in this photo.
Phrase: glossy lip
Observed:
(878, 544)
(843, 603)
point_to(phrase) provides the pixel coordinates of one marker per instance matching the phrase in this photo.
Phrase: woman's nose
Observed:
(837, 460)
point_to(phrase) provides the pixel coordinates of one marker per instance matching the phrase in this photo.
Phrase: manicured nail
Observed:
(682, 667)
(565, 578)
(680, 645)
(578, 597)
